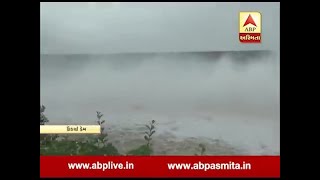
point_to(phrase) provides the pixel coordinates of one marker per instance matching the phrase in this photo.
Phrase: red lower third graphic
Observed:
(160, 166)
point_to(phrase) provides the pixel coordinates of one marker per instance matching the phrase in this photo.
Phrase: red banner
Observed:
(159, 166)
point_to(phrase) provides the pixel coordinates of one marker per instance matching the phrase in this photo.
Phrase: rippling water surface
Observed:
(227, 100)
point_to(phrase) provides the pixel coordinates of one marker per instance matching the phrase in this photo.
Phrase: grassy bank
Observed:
(117, 144)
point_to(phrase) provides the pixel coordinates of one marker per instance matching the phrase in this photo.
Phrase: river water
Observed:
(230, 101)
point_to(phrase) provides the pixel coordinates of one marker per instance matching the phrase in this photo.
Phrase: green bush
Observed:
(43, 118)
(94, 144)
(141, 150)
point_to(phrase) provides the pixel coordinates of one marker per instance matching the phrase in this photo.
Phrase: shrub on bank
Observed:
(93, 144)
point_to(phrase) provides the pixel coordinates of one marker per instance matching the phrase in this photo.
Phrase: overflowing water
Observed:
(207, 97)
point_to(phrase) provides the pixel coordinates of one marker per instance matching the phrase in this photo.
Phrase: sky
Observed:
(122, 27)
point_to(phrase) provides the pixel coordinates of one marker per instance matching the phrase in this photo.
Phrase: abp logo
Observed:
(250, 27)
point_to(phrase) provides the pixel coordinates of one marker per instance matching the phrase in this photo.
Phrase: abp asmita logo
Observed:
(250, 27)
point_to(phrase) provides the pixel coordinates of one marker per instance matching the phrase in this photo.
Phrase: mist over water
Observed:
(229, 95)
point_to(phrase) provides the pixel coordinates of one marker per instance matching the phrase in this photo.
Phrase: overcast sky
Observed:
(151, 27)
